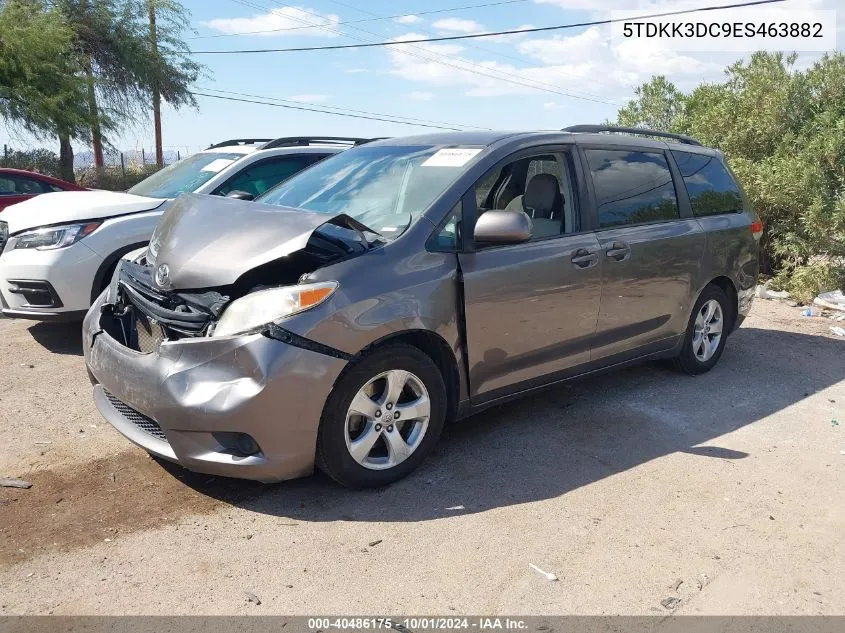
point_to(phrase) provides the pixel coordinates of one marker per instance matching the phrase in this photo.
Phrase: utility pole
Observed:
(96, 133)
(156, 95)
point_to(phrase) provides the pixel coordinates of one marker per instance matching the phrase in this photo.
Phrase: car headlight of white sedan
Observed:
(53, 237)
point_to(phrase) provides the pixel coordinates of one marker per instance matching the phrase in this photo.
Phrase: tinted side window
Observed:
(711, 188)
(264, 175)
(632, 187)
(18, 186)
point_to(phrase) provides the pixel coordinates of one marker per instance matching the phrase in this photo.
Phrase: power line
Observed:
(450, 38)
(484, 71)
(373, 19)
(310, 109)
(570, 92)
(410, 120)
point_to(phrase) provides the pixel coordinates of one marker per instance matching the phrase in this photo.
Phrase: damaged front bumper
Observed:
(198, 401)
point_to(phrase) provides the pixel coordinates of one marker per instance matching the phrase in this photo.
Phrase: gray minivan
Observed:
(345, 316)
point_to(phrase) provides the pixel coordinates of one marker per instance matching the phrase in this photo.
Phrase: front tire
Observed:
(382, 419)
(706, 333)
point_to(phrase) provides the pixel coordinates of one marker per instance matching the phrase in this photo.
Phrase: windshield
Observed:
(186, 175)
(384, 187)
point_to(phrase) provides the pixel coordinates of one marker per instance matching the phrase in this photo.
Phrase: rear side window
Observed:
(712, 190)
(632, 187)
(263, 175)
(18, 186)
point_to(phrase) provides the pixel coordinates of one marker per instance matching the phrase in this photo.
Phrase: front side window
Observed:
(710, 186)
(540, 186)
(385, 187)
(632, 187)
(188, 175)
(262, 176)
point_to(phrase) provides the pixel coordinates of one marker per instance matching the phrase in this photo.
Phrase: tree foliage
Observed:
(85, 69)
(40, 92)
(783, 132)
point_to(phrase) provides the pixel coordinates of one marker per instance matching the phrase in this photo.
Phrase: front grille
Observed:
(4, 235)
(147, 425)
(149, 333)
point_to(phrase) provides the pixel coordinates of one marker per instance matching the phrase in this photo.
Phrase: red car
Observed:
(17, 185)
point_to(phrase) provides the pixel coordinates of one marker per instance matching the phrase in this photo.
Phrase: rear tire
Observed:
(382, 419)
(706, 334)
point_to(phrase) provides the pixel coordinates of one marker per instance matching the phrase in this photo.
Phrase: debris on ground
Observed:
(374, 543)
(456, 508)
(670, 603)
(677, 583)
(547, 575)
(763, 292)
(839, 331)
(44, 442)
(834, 422)
(809, 312)
(833, 300)
(10, 482)
(28, 365)
(251, 597)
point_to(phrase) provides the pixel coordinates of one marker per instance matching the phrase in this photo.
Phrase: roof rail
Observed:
(293, 141)
(688, 140)
(239, 141)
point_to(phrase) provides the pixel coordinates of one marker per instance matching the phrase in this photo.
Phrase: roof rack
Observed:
(688, 140)
(293, 141)
(239, 141)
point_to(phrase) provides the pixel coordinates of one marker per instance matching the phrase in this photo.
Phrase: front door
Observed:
(652, 252)
(531, 308)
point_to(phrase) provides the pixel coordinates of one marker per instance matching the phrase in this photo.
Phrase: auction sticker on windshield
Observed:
(217, 165)
(451, 157)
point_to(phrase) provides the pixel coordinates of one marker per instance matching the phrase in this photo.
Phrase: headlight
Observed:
(53, 237)
(265, 306)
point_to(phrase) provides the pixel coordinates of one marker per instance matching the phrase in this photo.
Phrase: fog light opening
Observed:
(238, 444)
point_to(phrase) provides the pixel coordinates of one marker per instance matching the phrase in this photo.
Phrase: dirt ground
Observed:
(724, 492)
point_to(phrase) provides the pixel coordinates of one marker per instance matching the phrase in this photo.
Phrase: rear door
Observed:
(651, 247)
(530, 308)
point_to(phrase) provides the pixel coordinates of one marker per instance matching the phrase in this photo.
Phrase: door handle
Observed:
(618, 251)
(582, 258)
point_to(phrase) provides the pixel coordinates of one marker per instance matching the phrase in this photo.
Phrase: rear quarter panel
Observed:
(733, 253)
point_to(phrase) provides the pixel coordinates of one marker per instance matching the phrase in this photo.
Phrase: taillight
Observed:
(757, 228)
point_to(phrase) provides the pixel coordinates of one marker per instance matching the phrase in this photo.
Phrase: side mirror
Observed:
(237, 194)
(503, 227)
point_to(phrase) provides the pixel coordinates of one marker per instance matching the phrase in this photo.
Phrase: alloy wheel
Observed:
(707, 332)
(387, 419)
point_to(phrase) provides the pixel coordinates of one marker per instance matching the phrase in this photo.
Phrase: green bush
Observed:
(41, 160)
(783, 131)
(114, 178)
(804, 283)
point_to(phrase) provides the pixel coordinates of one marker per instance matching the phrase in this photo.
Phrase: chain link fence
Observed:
(121, 168)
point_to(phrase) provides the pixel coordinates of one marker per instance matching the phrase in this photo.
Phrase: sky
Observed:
(533, 81)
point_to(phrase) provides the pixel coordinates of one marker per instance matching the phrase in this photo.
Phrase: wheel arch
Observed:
(726, 285)
(435, 347)
(107, 266)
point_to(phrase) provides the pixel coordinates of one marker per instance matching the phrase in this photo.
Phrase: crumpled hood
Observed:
(64, 207)
(208, 241)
